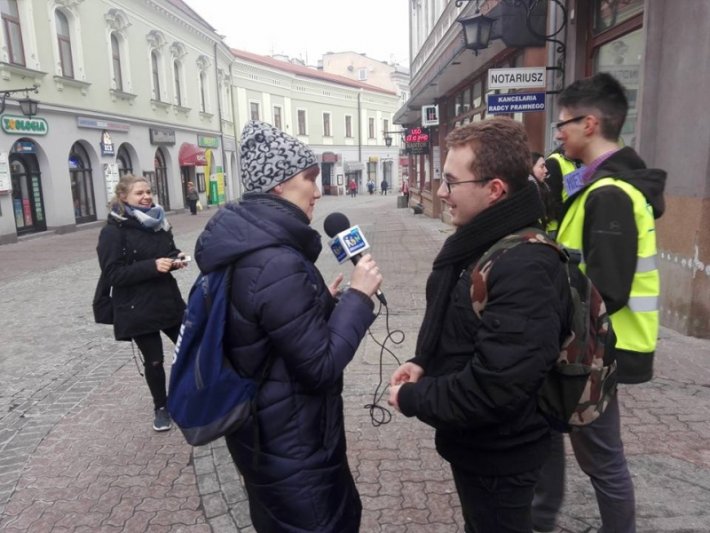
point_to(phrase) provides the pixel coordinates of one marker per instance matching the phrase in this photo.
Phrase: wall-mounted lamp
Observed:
(388, 137)
(477, 31)
(28, 106)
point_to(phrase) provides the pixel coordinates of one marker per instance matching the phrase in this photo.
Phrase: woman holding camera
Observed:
(137, 253)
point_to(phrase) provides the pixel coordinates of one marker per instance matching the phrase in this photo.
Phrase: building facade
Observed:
(343, 120)
(652, 47)
(124, 86)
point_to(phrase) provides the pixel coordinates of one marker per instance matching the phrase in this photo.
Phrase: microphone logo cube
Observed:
(348, 244)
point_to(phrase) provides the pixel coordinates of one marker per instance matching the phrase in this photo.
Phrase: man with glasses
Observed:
(475, 376)
(609, 219)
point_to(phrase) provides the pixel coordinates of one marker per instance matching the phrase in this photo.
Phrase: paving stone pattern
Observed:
(77, 451)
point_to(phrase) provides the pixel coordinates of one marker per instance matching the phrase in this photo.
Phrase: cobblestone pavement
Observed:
(77, 451)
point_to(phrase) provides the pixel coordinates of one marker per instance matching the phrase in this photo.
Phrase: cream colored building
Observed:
(124, 86)
(343, 120)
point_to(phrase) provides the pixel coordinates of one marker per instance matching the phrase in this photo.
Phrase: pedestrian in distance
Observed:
(538, 176)
(475, 377)
(352, 188)
(192, 197)
(539, 171)
(287, 327)
(609, 221)
(383, 187)
(370, 186)
(137, 255)
(405, 190)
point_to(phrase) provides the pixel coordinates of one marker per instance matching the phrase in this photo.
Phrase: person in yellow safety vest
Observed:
(558, 166)
(609, 219)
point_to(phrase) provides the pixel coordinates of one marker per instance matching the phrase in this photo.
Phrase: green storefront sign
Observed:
(206, 141)
(24, 126)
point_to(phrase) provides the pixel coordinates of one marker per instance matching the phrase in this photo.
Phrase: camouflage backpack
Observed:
(578, 388)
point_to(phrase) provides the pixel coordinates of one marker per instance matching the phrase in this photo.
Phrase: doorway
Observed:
(27, 202)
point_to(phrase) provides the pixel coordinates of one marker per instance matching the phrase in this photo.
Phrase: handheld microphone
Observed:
(347, 242)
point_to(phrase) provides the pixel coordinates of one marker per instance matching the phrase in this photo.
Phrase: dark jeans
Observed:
(193, 206)
(496, 504)
(151, 346)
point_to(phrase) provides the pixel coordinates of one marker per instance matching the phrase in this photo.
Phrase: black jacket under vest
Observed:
(481, 383)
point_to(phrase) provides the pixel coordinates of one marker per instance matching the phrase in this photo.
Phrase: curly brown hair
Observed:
(501, 148)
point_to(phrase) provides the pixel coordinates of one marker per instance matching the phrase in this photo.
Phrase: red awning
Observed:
(191, 155)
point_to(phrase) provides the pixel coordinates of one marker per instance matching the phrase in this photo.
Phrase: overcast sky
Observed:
(307, 29)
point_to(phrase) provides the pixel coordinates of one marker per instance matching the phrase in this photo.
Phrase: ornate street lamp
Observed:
(28, 106)
(477, 31)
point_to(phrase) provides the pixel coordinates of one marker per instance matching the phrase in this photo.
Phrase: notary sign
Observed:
(516, 103)
(516, 78)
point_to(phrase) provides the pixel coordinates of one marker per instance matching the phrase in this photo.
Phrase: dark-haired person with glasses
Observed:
(475, 376)
(609, 219)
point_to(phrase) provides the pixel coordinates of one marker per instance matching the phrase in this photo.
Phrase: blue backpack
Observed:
(207, 397)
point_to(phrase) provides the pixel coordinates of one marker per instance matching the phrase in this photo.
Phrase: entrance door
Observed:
(161, 181)
(327, 178)
(27, 203)
(82, 187)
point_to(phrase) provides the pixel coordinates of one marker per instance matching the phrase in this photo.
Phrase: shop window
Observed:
(64, 43)
(622, 59)
(82, 188)
(160, 183)
(201, 185)
(13, 32)
(610, 13)
(123, 161)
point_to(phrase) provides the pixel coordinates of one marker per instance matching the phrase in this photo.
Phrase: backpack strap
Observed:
(480, 270)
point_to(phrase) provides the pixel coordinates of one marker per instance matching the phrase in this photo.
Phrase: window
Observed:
(203, 82)
(348, 126)
(254, 110)
(362, 74)
(326, 124)
(302, 122)
(385, 126)
(64, 42)
(371, 127)
(82, 187)
(176, 75)
(277, 117)
(13, 32)
(123, 161)
(116, 57)
(155, 74)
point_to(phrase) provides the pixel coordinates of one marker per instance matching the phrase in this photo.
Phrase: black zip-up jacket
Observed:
(144, 300)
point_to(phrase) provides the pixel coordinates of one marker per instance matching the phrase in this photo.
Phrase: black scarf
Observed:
(522, 209)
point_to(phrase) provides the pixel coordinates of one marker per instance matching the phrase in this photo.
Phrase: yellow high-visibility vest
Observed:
(635, 324)
(566, 166)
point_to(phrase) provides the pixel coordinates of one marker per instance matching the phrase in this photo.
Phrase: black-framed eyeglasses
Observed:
(450, 184)
(563, 123)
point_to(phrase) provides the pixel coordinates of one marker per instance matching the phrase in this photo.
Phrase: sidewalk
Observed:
(77, 452)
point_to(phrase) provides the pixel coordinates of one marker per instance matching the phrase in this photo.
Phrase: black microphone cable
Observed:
(379, 414)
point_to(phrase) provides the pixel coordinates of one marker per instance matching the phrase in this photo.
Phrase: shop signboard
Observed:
(516, 78)
(111, 179)
(161, 136)
(430, 115)
(516, 103)
(416, 141)
(106, 143)
(86, 122)
(206, 141)
(5, 181)
(15, 125)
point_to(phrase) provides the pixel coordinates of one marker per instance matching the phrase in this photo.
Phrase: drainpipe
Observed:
(219, 113)
(359, 126)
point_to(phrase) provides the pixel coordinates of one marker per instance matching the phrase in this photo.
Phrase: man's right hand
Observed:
(407, 373)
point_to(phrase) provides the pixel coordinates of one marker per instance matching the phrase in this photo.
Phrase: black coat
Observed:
(281, 310)
(144, 300)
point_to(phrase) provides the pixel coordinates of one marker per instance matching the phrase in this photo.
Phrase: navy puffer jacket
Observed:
(282, 311)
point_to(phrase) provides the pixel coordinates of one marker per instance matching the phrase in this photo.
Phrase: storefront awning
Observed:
(191, 155)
